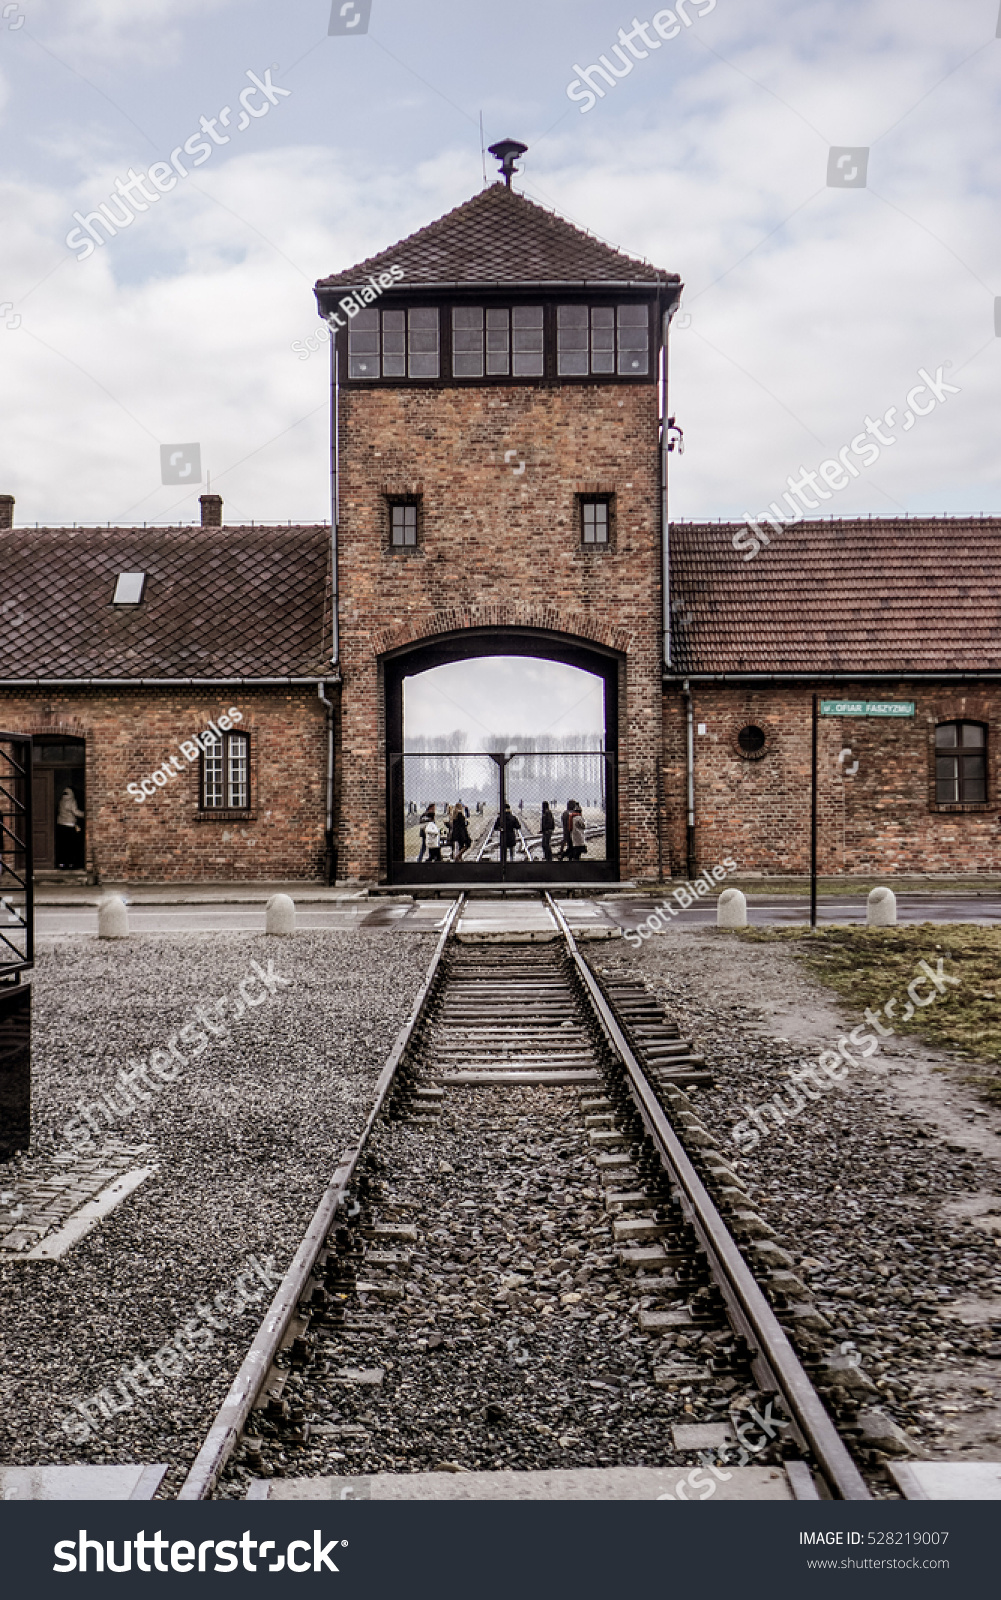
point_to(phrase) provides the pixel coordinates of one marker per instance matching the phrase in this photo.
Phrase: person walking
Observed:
(426, 817)
(507, 826)
(432, 836)
(566, 818)
(460, 832)
(67, 830)
(548, 828)
(578, 836)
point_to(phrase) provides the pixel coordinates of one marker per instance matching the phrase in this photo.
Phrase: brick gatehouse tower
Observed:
(498, 406)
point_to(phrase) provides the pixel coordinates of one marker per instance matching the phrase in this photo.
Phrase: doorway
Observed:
(518, 733)
(58, 804)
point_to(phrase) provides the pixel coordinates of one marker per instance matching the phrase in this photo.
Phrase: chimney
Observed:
(211, 505)
(6, 511)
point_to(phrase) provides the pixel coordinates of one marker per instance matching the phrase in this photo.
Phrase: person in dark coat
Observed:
(507, 826)
(460, 832)
(566, 822)
(548, 828)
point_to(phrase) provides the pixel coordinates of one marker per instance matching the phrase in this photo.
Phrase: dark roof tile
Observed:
(882, 595)
(218, 603)
(500, 237)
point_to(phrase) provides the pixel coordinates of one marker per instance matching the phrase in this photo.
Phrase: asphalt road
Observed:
(626, 912)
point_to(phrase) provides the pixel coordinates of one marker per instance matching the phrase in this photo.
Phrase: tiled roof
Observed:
(218, 603)
(499, 237)
(908, 594)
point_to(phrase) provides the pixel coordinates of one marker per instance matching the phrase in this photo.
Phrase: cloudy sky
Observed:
(502, 698)
(810, 304)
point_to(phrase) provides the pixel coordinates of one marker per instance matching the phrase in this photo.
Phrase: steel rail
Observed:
(804, 1404)
(233, 1413)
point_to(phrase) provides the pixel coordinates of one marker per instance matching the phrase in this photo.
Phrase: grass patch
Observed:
(869, 966)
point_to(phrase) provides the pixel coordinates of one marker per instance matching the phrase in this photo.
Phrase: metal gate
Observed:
(503, 799)
(17, 948)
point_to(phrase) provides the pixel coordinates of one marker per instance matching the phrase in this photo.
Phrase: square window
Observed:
(403, 525)
(594, 522)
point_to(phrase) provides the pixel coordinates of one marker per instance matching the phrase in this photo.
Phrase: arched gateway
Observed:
(504, 785)
(497, 410)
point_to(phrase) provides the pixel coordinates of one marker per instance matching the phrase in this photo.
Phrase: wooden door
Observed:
(44, 817)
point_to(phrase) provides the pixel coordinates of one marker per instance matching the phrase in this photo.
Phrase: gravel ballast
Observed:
(243, 1136)
(884, 1189)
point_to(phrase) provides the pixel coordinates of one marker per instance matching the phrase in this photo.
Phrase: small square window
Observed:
(594, 521)
(403, 524)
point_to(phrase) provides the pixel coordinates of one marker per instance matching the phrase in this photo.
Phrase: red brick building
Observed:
(499, 417)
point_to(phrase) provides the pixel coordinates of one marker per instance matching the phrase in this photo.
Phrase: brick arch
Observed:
(579, 625)
(70, 726)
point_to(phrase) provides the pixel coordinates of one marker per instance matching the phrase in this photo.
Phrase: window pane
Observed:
(467, 341)
(634, 336)
(973, 779)
(527, 317)
(945, 736)
(239, 771)
(424, 343)
(212, 772)
(498, 343)
(946, 780)
(973, 735)
(363, 346)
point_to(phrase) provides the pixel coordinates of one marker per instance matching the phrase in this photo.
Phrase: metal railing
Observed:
(17, 901)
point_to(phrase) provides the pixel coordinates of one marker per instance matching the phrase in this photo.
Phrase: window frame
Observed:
(956, 752)
(593, 546)
(408, 354)
(496, 300)
(227, 809)
(396, 502)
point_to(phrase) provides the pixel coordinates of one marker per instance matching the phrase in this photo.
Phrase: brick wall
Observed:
(883, 819)
(501, 549)
(130, 732)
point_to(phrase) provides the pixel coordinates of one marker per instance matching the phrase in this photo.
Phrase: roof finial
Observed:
(507, 151)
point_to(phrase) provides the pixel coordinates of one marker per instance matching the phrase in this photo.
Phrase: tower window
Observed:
(602, 339)
(960, 763)
(595, 518)
(394, 344)
(226, 772)
(403, 524)
(499, 342)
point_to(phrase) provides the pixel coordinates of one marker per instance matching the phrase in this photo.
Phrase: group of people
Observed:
(450, 828)
(573, 843)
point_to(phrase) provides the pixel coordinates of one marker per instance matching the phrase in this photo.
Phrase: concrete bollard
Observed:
(112, 918)
(731, 909)
(280, 915)
(881, 909)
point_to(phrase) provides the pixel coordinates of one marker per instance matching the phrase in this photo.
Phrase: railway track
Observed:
(523, 1262)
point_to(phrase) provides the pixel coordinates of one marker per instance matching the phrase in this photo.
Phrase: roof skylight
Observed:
(129, 588)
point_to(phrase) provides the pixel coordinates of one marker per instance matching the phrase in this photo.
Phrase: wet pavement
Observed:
(407, 915)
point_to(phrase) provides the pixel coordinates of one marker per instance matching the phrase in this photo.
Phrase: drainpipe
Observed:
(335, 496)
(330, 864)
(690, 824)
(665, 529)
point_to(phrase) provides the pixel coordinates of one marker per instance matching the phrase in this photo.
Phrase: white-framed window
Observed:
(226, 772)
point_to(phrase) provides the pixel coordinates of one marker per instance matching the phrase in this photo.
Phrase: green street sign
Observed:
(867, 708)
